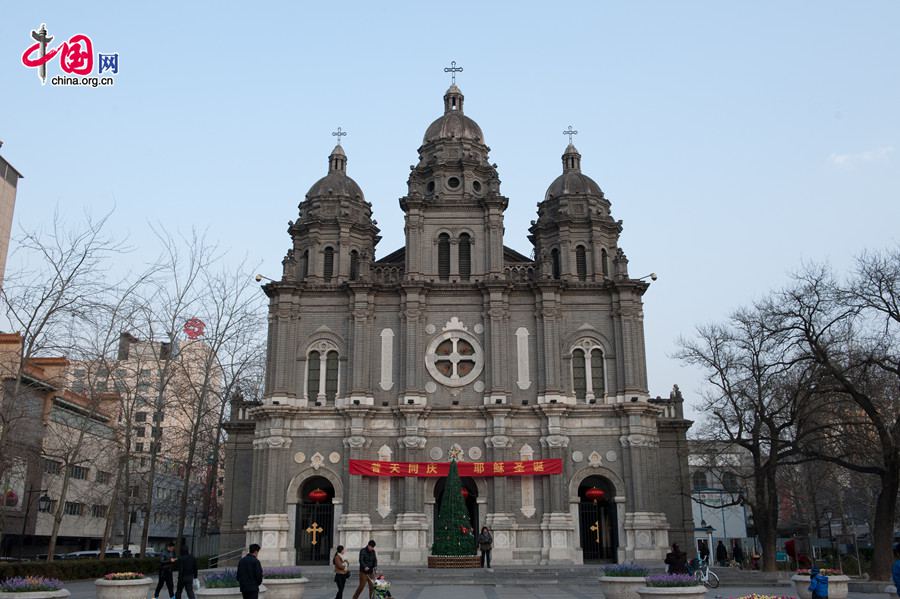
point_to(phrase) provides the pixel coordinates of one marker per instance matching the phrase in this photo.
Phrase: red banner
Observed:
(523, 468)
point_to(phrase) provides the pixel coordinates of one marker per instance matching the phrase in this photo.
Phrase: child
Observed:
(818, 584)
(382, 587)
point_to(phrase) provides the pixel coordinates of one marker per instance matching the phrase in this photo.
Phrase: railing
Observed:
(521, 274)
(228, 556)
(387, 275)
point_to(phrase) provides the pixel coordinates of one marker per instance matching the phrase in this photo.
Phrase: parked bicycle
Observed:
(699, 569)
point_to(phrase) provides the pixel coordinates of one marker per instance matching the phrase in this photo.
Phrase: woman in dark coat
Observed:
(721, 554)
(485, 543)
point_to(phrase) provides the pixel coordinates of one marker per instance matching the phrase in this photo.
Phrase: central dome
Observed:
(336, 182)
(572, 181)
(453, 124)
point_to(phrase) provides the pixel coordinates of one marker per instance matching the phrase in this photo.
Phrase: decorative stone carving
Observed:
(299, 457)
(577, 456)
(638, 440)
(278, 442)
(611, 456)
(356, 441)
(430, 329)
(595, 460)
(334, 457)
(387, 359)
(413, 442)
(455, 324)
(317, 460)
(478, 386)
(436, 453)
(555, 441)
(431, 386)
(454, 358)
(523, 380)
(498, 441)
(479, 328)
(475, 453)
(385, 453)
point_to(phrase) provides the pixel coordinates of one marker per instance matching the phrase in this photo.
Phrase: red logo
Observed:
(194, 328)
(76, 55)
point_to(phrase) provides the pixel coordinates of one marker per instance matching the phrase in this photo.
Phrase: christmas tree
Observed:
(453, 534)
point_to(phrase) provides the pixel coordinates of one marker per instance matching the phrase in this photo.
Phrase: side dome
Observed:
(572, 181)
(336, 182)
(453, 124)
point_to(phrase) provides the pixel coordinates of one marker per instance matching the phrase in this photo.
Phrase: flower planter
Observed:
(837, 586)
(454, 561)
(891, 591)
(123, 589)
(695, 592)
(621, 587)
(60, 594)
(285, 588)
(227, 593)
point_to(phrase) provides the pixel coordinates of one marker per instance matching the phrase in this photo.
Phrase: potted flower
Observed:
(622, 581)
(837, 583)
(284, 583)
(32, 587)
(123, 585)
(672, 586)
(223, 585)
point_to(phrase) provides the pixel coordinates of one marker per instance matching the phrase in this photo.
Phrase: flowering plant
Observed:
(283, 572)
(671, 580)
(755, 596)
(822, 571)
(124, 576)
(221, 580)
(627, 570)
(29, 584)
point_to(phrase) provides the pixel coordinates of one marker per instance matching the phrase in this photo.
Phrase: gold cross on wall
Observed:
(315, 529)
(595, 527)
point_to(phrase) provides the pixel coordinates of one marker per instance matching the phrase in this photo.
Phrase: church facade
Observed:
(456, 345)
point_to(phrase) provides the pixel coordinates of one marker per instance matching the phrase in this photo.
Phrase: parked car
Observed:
(42, 557)
(82, 555)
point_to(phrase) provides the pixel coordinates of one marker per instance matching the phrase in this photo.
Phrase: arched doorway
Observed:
(470, 492)
(315, 521)
(597, 519)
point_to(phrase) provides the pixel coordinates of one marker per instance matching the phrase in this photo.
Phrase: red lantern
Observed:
(317, 496)
(465, 493)
(12, 499)
(595, 494)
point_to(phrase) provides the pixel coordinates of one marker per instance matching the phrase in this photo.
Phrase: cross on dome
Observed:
(453, 70)
(339, 134)
(570, 132)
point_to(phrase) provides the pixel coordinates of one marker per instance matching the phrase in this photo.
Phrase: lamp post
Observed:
(43, 505)
(709, 538)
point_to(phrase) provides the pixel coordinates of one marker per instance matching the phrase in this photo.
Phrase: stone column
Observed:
(411, 523)
(413, 348)
(355, 526)
(360, 393)
(269, 525)
(557, 524)
(550, 328)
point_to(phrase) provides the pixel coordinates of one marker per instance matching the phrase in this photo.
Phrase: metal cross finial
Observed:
(339, 134)
(570, 132)
(453, 70)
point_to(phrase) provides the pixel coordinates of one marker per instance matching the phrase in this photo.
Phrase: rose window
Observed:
(454, 359)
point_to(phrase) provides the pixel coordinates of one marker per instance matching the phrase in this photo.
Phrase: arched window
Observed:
(328, 270)
(444, 256)
(604, 263)
(578, 375)
(331, 375)
(465, 256)
(698, 480)
(313, 364)
(581, 263)
(554, 258)
(354, 265)
(730, 481)
(597, 377)
(304, 265)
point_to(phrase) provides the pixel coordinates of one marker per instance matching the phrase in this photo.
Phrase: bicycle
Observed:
(704, 575)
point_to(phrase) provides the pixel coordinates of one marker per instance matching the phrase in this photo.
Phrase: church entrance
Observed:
(470, 493)
(597, 519)
(315, 522)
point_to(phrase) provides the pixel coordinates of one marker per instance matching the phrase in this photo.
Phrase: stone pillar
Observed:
(496, 315)
(552, 392)
(411, 523)
(360, 393)
(501, 521)
(413, 348)
(557, 524)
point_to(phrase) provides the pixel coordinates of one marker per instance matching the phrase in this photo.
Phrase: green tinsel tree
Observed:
(452, 532)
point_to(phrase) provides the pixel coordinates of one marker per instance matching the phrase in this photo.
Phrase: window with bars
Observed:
(554, 259)
(328, 270)
(354, 265)
(444, 256)
(313, 364)
(597, 375)
(698, 480)
(99, 511)
(78, 472)
(331, 375)
(73, 508)
(52, 466)
(140, 417)
(465, 256)
(578, 374)
(581, 263)
(103, 477)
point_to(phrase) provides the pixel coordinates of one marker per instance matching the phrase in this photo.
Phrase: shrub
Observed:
(221, 580)
(28, 584)
(671, 580)
(124, 576)
(627, 570)
(77, 569)
(283, 572)
(822, 571)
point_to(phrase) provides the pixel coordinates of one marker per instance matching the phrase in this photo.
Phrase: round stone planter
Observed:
(285, 588)
(837, 586)
(60, 594)
(454, 561)
(696, 592)
(229, 593)
(621, 587)
(123, 589)
(891, 591)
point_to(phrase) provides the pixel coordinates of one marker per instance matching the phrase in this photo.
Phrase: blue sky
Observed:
(734, 139)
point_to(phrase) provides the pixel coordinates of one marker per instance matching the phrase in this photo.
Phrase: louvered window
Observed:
(465, 256)
(312, 378)
(354, 265)
(331, 375)
(579, 382)
(581, 263)
(554, 258)
(328, 271)
(304, 265)
(604, 260)
(597, 378)
(444, 256)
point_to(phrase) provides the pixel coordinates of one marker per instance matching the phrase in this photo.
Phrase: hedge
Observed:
(75, 569)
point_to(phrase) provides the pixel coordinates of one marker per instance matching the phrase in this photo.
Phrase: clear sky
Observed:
(734, 139)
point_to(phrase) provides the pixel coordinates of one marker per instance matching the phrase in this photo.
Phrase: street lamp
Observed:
(43, 505)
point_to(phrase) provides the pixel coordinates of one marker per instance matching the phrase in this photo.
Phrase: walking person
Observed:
(818, 584)
(721, 554)
(486, 543)
(368, 562)
(738, 554)
(676, 560)
(187, 573)
(341, 571)
(250, 574)
(166, 567)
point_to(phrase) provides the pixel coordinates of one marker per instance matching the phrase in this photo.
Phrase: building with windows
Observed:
(380, 371)
(9, 182)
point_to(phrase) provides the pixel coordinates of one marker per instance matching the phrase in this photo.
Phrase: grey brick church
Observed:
(456, 345)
